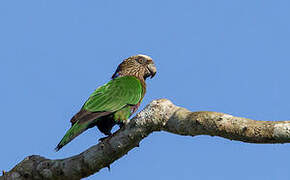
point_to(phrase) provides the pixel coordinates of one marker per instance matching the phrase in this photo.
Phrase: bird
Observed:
(114, 102)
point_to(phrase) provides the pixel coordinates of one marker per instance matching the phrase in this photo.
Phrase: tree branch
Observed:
(159, 115)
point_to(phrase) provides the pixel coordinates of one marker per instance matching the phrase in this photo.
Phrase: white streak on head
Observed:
(145, 56)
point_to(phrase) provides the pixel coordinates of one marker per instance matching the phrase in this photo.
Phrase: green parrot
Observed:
(114, 102)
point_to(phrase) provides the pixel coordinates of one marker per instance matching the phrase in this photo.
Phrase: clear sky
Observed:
(226, 56)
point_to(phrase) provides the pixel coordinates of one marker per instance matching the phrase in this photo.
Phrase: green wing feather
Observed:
(114, 95)
(111, 97)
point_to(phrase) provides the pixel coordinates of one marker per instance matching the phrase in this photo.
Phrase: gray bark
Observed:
(159, 115)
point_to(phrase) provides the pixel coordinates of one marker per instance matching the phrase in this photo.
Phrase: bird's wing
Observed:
(114, 95)
(105, 100)
(110, 98)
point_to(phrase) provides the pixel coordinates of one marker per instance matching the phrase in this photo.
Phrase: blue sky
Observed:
(225, 56)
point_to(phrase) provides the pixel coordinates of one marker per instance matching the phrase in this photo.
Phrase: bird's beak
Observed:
(152, 69)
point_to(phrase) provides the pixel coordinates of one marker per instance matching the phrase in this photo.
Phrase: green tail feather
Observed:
(73, 132)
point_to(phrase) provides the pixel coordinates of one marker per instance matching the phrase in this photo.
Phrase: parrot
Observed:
(113, 103)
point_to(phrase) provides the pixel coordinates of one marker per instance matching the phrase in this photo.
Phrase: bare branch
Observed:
(159, 115)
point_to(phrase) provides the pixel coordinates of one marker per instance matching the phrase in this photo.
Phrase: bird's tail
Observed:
(73, 132)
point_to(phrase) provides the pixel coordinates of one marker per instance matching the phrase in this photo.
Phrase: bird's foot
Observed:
(110, 135)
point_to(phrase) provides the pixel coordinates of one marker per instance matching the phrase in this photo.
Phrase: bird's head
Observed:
(141, 66)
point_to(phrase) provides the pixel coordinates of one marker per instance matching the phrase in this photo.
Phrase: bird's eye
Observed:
(141, 60)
